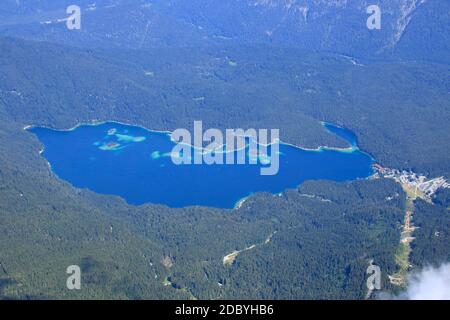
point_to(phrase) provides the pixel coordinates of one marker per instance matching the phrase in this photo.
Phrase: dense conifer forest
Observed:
(312, 242)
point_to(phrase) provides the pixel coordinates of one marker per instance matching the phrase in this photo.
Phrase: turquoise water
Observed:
(135, 164)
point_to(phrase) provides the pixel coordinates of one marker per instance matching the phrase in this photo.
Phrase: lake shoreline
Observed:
(349, 149)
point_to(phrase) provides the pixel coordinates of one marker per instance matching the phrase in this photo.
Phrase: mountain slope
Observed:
(153, 251)
(403, 124)
(409, 27)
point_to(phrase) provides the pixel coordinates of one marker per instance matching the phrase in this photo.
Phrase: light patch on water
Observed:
(129, 138)
(112, 146)
(123, 138)
(112, 132)
(158, 155)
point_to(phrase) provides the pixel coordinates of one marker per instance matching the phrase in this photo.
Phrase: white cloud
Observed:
(429, 284)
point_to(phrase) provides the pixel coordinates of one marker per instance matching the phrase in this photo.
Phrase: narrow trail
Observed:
(229, 259)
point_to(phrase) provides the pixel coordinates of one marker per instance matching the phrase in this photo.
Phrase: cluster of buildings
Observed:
(420, 183)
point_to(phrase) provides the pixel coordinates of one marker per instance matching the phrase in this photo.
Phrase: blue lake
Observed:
(135, 164)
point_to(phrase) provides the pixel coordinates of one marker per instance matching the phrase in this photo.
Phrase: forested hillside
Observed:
(164, 65)
(320, 230)
(123, 251)
(400, 112)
